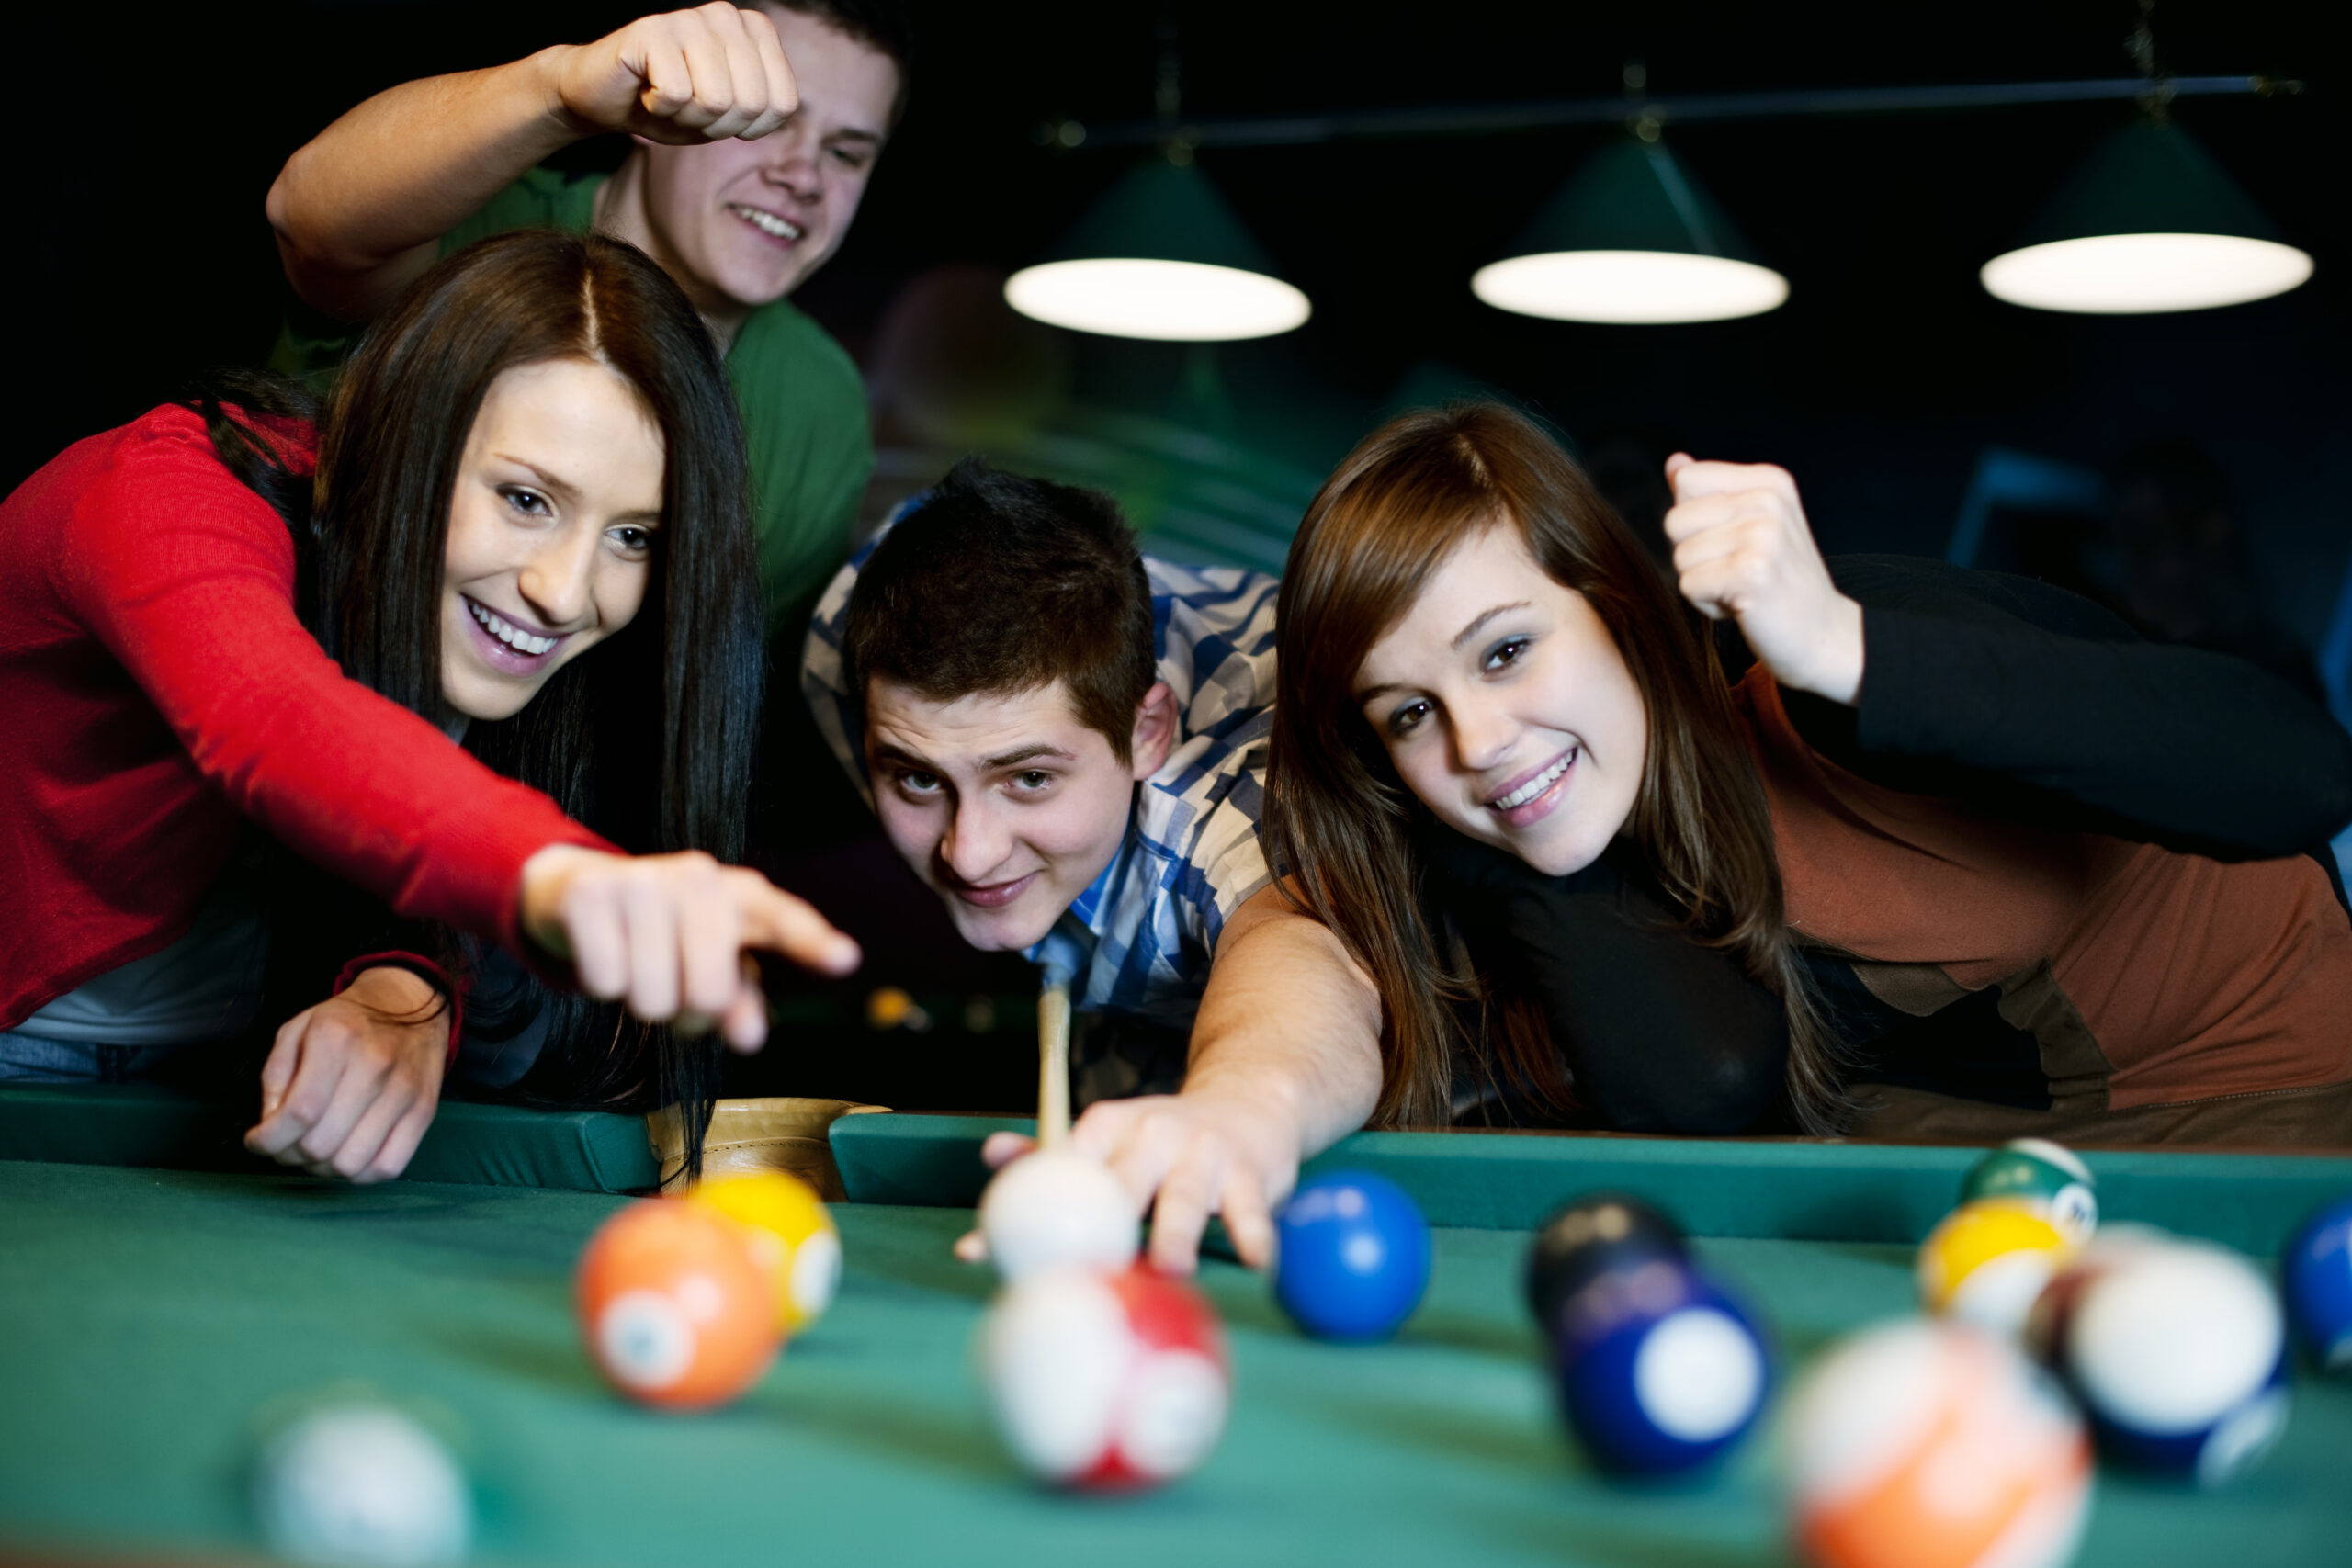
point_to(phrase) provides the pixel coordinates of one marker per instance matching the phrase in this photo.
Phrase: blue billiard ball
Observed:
(2318, 1269)
(1660, 1369)
(2178, 1352)
(1351, 1256)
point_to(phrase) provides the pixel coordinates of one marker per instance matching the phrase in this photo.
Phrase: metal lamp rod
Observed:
(1475, 119)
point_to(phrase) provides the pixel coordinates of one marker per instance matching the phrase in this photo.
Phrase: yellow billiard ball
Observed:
(1987, 1262)
(792, 1238)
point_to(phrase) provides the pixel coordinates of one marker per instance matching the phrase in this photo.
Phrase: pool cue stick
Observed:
(1053, 1063)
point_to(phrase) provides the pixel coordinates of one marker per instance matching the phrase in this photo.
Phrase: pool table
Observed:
(153, 1321)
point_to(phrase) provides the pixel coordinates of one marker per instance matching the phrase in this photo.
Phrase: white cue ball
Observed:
(362, 1486)
(1056, 1206)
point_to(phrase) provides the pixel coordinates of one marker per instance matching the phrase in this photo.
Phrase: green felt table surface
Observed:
(152, 1321)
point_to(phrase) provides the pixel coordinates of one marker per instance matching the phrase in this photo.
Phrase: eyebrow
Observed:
(564, 488)
(1466, 633)
(1025, 754)
(852, 133)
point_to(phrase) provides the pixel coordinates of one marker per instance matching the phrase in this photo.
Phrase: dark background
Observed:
(142, 256)
(148, 137)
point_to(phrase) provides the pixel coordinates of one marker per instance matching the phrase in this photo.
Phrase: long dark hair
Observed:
(1340, 821)
(647, 737)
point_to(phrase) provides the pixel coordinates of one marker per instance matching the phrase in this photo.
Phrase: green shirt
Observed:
(803, 403)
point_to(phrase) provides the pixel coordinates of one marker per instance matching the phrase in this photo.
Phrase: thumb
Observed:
(1674, 466)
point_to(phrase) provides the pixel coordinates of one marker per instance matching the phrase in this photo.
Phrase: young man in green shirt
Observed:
(756, 129)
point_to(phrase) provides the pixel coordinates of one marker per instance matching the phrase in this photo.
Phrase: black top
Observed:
(2006, 693)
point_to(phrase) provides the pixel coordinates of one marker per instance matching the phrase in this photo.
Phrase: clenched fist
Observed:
(683, 77)
(1742, 548)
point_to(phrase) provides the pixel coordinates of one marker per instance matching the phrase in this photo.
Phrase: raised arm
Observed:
(2007, 693)
(360, 210)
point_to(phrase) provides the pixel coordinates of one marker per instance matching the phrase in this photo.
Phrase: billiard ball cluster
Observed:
(1103, 1375)
(1968, 1438)
(685, 1302)
(1658, 1368)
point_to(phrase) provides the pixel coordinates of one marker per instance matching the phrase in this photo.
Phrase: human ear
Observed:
(1155, 731)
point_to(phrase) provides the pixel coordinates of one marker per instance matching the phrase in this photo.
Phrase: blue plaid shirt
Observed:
(1140, 939)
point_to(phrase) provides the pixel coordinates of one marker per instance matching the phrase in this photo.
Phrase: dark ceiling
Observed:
(145, 257)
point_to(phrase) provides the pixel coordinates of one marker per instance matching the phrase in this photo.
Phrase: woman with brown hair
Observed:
(450, 686)
(1920, 851)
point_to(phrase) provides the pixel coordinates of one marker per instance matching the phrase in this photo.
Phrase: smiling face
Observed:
(742, 223)
(1008, 806)
(551, 529)
(1507, 709)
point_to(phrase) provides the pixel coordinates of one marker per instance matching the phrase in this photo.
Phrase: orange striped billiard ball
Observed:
(1935, 1445)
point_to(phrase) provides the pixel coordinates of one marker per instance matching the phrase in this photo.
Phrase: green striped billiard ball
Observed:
(2043, 1173)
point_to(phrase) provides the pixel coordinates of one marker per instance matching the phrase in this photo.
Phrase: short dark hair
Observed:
(997, 583)
(881, 26)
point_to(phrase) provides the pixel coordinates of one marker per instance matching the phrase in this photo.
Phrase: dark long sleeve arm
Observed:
(1659, 1034)
(2037, 703)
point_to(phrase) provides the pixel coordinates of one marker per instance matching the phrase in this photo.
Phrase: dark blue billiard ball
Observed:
(2178, 1352)
(2318, 1269)
(1351, 1256)
(1594, 1234)
(1660, 1369)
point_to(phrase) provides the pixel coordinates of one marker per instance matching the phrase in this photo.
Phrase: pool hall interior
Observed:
(193, 1341)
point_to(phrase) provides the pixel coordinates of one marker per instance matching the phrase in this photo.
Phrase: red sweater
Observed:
(155, 686)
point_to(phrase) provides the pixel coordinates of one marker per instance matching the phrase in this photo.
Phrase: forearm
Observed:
(359, 208)
(1289, 1022)
(2192, 749)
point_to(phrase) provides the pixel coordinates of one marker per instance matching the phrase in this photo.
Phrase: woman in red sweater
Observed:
(483, 645)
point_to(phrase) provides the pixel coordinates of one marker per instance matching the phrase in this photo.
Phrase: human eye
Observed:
(527, 501)
(1406, 717)
(913, 782)
(1032, 781)
(1505, 653)
(851, 158)
(633, 538)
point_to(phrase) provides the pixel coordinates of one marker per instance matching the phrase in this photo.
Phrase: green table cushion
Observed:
(495, 1146)
(1778, 1189)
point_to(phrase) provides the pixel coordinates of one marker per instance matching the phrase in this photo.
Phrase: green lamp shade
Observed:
(1631, 239)
(1161, 255)
(2149, 223)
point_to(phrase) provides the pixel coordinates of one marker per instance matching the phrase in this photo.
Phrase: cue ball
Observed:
(361, 1485)
(2040, 1172)
(792, 1238)
(1986, 1261)
(1934, 1445)
(1660, 1369)
(2318, 1269)
(1351, 1256)
(1105, 1381)
(674, 1310)
(2176, 1351)
(1594, 1234)
(1057, 1206)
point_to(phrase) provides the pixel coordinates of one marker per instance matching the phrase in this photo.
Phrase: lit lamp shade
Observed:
(1161, 255)
(1631, 239)
(2151, 223)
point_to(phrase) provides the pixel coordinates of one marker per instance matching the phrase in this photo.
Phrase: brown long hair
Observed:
(1339, 822)
(648, 738)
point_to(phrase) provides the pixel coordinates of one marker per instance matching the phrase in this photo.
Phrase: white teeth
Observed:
(1535, 785)
(513, 637)
(767, 222)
